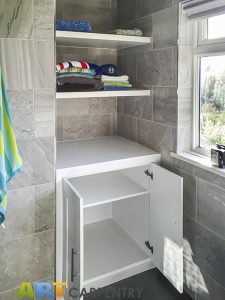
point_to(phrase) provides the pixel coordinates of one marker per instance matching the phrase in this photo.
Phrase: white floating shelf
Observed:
(105, 153)
(102, 94)
(106, 187)
(98, 40)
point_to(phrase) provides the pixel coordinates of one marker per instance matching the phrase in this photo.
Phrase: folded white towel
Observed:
(105, 78)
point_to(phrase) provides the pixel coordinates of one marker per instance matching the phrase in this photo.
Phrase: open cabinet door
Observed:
(73, 241)
(166, 224)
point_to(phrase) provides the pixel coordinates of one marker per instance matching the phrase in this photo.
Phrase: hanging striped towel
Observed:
(10, 159)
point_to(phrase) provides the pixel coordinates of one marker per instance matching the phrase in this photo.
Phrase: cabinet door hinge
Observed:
(149, 246)
(149, 174)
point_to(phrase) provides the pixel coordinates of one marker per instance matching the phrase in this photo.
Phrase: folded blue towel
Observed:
(108, 69)
(115, 88)
(69, 25)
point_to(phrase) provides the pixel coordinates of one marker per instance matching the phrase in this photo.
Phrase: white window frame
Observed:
(202, 47)
(203, 35)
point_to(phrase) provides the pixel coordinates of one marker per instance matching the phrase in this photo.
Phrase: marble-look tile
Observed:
(20, 100)
(189, 194)
(120, 105)
(44, 170)
(175, 2)
(98, 13)
(43, 19)
(88, 126)
(208, 251)
(44, 112)
(182, 165)
(165, 106)
(136, 49)
(44, 207)
(155, 67)
(139, 107)
(20, 214)
(95, 55)
(38, 163)
(23, 123)
(59, 128)
(174, 139)
(126, 15)
(16, 19)
(27, 63)
(210, 290)
(145, 7)
(9, 295)
(211, 207)
(144, 24)
(114, 13)
(127, 126)
(35, 260)
(165, 27)
(44, 128)
(22, 110)
(190, 269)
(210, 177)
(87, 106)
(127, 66)
(155, 136)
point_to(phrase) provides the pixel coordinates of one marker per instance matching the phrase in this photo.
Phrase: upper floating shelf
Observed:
(98, 40)
(103, 94)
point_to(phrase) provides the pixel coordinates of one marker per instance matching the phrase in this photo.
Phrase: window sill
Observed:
(199, 161)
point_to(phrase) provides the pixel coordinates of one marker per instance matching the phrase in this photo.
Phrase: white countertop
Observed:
(103, 151)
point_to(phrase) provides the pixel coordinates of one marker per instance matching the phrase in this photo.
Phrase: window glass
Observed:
(216, 27)
(212, 100)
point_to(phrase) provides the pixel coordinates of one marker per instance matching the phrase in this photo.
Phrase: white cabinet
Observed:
(120, 223)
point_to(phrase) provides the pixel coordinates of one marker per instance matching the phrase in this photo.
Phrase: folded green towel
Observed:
(114, 83)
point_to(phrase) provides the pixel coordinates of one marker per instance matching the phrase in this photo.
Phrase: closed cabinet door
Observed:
(73, 241)
(166, 223)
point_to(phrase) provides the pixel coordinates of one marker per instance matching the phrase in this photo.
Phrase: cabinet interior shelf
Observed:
(108, 248)
(107, 187)
(102, 94)
(98, 40)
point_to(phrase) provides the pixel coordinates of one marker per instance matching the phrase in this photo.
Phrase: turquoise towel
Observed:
(10, 159)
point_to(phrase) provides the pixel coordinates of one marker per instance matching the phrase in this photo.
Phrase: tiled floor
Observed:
(151, 285)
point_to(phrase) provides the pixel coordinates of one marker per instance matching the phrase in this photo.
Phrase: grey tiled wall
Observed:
(27, 61)
(100, 13)
(86, 118)
(154, 122)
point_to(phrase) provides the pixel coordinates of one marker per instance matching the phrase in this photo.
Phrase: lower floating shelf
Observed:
(103, 94)
(107, 249)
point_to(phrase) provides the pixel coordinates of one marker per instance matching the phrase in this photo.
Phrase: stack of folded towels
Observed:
(115, 83)
(75, 76)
